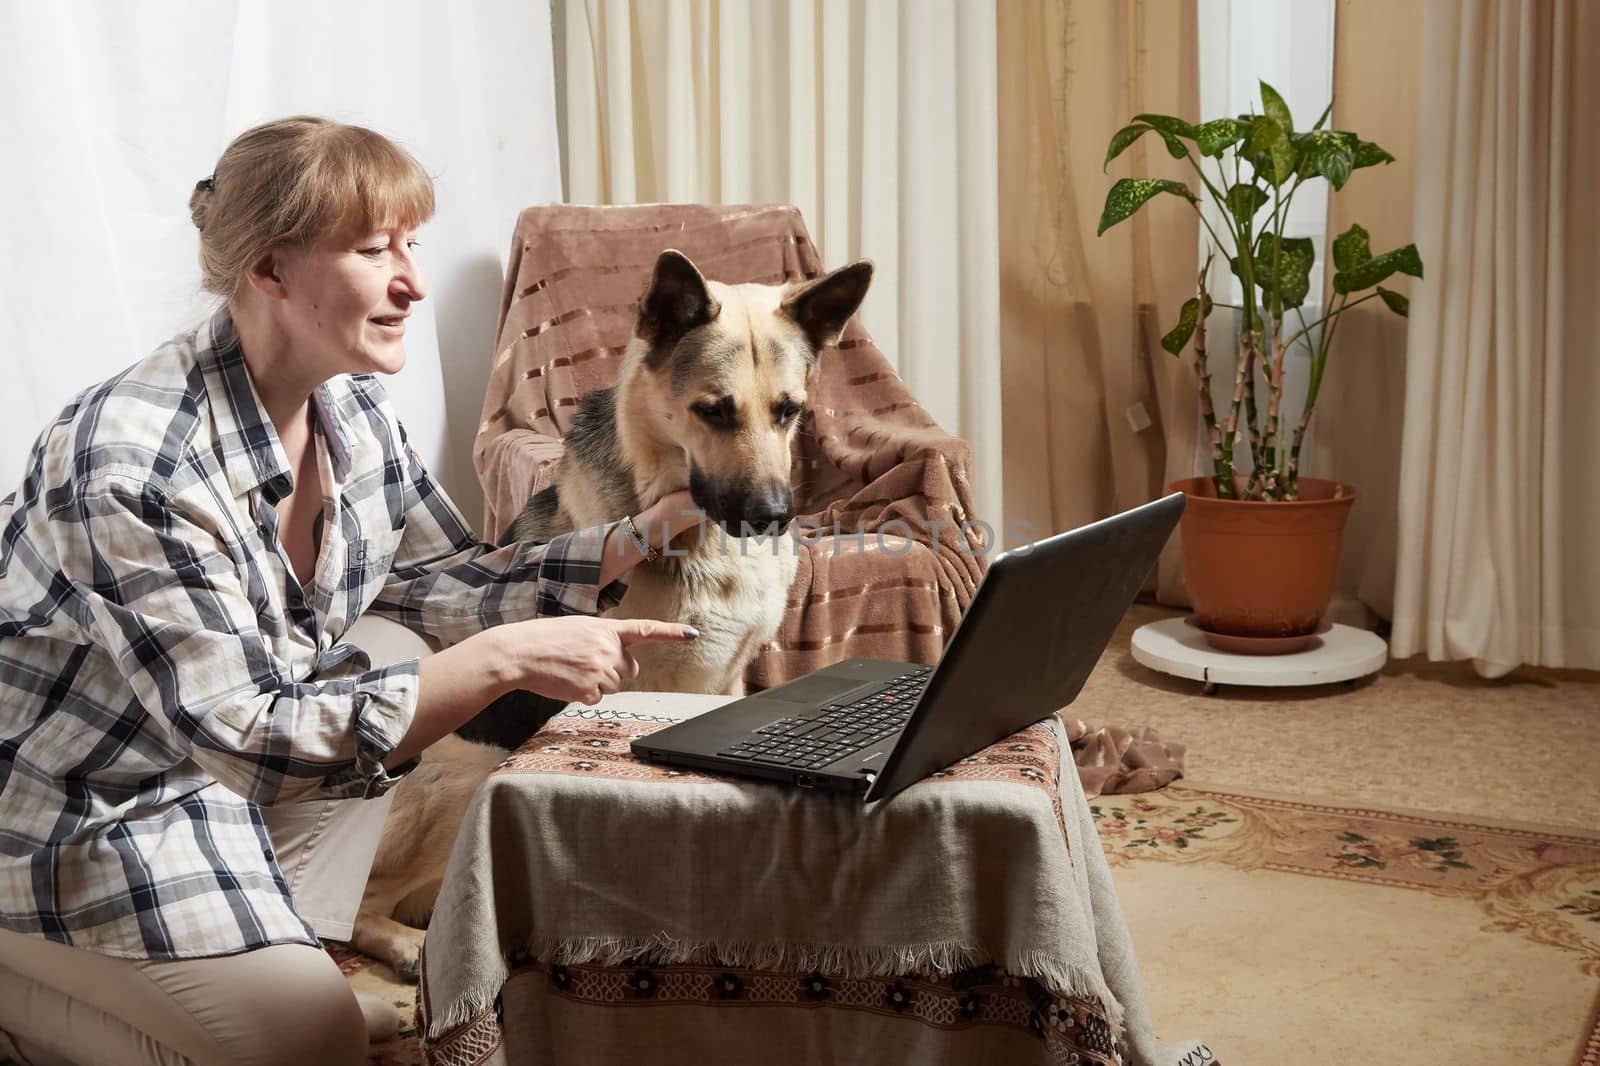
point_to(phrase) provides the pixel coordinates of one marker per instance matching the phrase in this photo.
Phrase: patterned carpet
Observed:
(1359, 934)
(1356, 934)
(366, 975)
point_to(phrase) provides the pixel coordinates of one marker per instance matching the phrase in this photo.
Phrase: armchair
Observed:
(868, 460)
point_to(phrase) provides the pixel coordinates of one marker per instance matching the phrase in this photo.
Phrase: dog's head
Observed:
(728, 369)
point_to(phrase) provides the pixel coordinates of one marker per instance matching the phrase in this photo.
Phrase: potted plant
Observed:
(1261, 542)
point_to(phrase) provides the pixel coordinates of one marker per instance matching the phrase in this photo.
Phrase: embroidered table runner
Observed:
(598, 908)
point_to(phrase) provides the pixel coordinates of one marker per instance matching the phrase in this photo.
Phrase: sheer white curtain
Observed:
(111, 112)
(1500, 465)
(876, 118)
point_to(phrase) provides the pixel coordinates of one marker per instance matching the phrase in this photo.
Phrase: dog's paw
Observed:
(407, 965)
(397, 946)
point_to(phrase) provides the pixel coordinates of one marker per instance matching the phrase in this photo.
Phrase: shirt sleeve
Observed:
(155, 586)
(446, 583)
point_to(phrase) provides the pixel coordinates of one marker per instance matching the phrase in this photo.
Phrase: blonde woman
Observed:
(189, 544)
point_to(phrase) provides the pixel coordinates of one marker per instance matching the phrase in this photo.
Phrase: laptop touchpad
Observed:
(816, 689)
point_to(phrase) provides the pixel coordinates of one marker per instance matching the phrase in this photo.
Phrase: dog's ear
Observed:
(822, 307)
(676, 302)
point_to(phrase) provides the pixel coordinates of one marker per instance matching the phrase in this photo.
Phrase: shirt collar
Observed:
(252, 454)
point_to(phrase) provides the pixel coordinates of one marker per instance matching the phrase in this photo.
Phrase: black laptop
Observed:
(1036, 627)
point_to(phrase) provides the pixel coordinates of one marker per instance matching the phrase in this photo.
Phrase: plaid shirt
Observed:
(163, 674)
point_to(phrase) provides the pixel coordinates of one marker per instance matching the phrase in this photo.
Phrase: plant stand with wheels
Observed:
(1344, 653)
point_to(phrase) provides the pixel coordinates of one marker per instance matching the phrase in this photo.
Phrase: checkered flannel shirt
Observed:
(163, 673)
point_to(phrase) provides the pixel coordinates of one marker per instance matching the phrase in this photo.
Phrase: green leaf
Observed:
(1351, 248)
(1167, 124)
(1292, 279)
(1180, 334)
(1130, 194)
(1217, 136)
(1245, 199)
(1284, 161)
(1369, 273)
(1122, 138)
(1172, 130)
(1261, 134)
(1275, 108)
(1370, 155)
(1330, 153)
(1268, 149)
(1397, 303)
(1324, 116)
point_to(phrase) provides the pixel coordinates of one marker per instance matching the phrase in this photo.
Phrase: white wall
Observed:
(109, 113)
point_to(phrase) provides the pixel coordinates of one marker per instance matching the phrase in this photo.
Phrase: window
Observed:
(1289, 46)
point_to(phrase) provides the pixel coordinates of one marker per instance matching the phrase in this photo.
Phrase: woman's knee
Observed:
(282, 1004)
(287, 1003)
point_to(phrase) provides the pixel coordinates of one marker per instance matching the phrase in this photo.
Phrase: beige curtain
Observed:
(876, 118)
(1356, 429)
(1499, 517)
(1081, 315)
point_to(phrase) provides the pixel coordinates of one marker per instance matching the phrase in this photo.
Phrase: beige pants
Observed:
(282, 1004)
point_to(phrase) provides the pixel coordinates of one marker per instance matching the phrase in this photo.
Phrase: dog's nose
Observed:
(770, 511)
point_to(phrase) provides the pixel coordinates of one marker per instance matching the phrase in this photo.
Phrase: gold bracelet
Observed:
(651, 552)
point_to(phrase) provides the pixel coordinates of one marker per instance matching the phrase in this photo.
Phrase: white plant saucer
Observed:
(1344, 653)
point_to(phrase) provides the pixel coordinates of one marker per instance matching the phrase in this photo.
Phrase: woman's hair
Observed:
(295, 181)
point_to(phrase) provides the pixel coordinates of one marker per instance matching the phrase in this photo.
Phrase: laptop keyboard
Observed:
(833, 731)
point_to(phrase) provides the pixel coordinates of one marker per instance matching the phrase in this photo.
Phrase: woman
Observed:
(189, 543)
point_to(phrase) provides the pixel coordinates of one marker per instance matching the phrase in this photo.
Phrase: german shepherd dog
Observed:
(709, 395)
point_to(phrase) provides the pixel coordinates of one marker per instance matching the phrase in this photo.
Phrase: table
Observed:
(601, 909)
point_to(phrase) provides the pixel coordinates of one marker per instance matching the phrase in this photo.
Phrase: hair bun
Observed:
(200, 201)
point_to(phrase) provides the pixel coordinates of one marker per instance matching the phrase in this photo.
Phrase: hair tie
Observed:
(208, 184)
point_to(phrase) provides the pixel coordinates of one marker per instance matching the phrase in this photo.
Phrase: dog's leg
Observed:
(418, 834)
(397, 946)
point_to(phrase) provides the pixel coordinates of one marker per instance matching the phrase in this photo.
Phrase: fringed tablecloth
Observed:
(601, 909)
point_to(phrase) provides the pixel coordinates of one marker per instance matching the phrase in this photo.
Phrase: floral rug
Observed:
(368, 975)
(1362, 934)
(1358, 933)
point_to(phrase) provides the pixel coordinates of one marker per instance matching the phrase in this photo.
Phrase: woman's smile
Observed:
(391, 325)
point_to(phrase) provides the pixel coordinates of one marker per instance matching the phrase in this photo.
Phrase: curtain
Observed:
(114, 111)
(1499, 488)
(1357, 425)
(1083, 315)
(876, 118)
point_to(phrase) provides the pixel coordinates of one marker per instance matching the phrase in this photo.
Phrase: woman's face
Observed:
(348, 298)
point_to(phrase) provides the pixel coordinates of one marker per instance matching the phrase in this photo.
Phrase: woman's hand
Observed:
(669, 516)
(578, 657)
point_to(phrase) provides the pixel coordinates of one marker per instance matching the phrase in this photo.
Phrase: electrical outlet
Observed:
(1138, 418)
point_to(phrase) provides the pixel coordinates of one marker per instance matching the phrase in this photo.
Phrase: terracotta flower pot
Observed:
(1262, 569)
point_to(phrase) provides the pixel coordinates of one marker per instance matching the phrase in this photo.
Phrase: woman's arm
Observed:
(444, 583)
(657, 524)
(566, 658)
(572, 658)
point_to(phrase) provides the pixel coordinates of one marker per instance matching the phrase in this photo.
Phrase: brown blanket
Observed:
(869, 461)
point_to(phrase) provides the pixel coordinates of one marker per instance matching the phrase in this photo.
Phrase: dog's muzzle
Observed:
(744, 511)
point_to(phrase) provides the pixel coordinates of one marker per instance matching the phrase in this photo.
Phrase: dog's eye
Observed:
(720, 414)
(785, 412)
